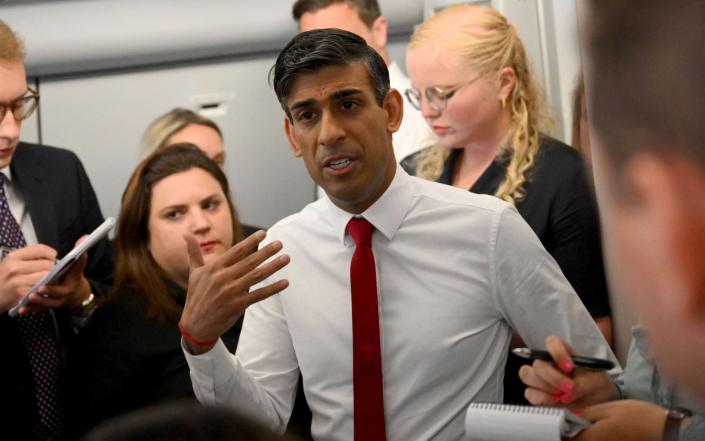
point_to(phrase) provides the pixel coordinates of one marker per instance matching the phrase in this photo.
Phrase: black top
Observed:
(560, 207)
(125, 361)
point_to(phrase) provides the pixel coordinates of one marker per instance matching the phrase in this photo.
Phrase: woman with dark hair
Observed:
(130, 354)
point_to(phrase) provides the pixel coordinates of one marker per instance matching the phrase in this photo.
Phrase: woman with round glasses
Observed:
(472, 83)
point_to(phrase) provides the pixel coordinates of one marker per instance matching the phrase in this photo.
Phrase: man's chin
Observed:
(6, 156)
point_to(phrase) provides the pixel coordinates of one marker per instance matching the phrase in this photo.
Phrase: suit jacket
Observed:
(63, 207)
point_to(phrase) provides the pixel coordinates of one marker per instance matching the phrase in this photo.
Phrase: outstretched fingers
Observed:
(254, 271)
(240, 250)
(195, 255)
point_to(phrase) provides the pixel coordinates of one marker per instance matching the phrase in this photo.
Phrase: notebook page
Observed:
(501, 422)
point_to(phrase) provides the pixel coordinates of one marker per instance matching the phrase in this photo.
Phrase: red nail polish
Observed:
(567, 386)
(567, 366)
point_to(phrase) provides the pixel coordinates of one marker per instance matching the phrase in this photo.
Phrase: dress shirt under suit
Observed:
(62, 207)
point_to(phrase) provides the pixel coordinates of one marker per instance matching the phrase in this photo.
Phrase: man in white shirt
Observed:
(455, 273)
(364, 18)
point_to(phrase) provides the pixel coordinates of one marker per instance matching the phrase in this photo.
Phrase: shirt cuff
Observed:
(209, 370)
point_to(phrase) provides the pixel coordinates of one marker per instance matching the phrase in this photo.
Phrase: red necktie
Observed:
(367, 354)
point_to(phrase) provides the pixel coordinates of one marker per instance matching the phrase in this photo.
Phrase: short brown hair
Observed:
(136, 268)
(11, 47)
(644, 77)
(368, 10)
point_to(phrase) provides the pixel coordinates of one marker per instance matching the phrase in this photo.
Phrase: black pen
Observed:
(578, 360)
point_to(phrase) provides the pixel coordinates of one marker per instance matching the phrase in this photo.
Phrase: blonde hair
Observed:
(156, 136)
(11, 47)
(481, 38)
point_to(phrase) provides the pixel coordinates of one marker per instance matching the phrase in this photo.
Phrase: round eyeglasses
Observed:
(437, 96)
(22, 107)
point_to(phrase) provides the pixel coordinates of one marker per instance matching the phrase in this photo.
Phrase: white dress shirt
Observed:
(456, 272)
(18, 208)
(414, 134)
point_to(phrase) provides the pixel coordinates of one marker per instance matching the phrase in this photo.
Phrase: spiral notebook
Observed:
(506, 422)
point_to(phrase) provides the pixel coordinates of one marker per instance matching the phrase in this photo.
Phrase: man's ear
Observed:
(670, 192)
(289, 129)
(393, 105)
(379, 33)
(507, 81)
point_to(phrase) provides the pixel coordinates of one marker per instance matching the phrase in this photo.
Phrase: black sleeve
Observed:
(100, 268)
(576, 242)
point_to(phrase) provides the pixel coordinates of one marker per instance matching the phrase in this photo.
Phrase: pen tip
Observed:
(522, 352)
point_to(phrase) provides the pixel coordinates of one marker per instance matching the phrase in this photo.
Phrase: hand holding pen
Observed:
(578, 360)
(562, 380)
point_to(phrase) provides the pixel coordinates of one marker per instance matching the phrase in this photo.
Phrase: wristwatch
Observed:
(82, 315)
(674, 418)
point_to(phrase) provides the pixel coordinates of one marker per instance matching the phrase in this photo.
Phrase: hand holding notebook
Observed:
(66, 262)
(506, 422)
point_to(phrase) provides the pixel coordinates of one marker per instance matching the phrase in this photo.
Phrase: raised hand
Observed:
(219, 291)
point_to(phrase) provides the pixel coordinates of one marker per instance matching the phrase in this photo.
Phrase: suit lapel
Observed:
(29, 173)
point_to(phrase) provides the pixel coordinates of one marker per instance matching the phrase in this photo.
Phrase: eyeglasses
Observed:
(22, 107)
(437, 96)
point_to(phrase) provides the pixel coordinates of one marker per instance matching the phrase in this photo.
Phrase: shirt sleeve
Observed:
(260, 380)
(532, 293)
(575, 240)
(695, 430)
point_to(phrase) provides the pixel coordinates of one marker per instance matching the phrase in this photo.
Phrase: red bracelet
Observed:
(193, 340)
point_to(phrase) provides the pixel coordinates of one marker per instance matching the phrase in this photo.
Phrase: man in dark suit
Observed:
(46, 205)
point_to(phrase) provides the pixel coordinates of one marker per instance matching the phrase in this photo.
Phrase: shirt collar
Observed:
(386, 214)
(6, 171)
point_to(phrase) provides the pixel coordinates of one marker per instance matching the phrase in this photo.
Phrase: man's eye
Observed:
(305, 116)
(348, 105)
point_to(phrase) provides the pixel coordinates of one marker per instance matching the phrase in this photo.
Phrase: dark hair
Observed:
(645, 77)
(185, 421)
(314, 50)
(368, 10)
(136, 268)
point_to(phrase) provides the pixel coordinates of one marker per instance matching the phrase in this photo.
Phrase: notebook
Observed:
(506, 422)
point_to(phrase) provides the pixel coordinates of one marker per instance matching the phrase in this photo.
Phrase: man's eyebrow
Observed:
(301, 104)
(14, 100)
(344, 93)
(338, 94)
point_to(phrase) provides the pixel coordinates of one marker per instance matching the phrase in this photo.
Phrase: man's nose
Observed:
(9, 126)
(331, 130)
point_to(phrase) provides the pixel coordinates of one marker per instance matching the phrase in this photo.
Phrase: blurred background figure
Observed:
(580, 138)
(186, 126)
(184, 421)
(364, 18)
(130, 356)
(183, 125)
(472, 83)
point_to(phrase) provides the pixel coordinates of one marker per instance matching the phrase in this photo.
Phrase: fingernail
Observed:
(567, 366)
(567, 386)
